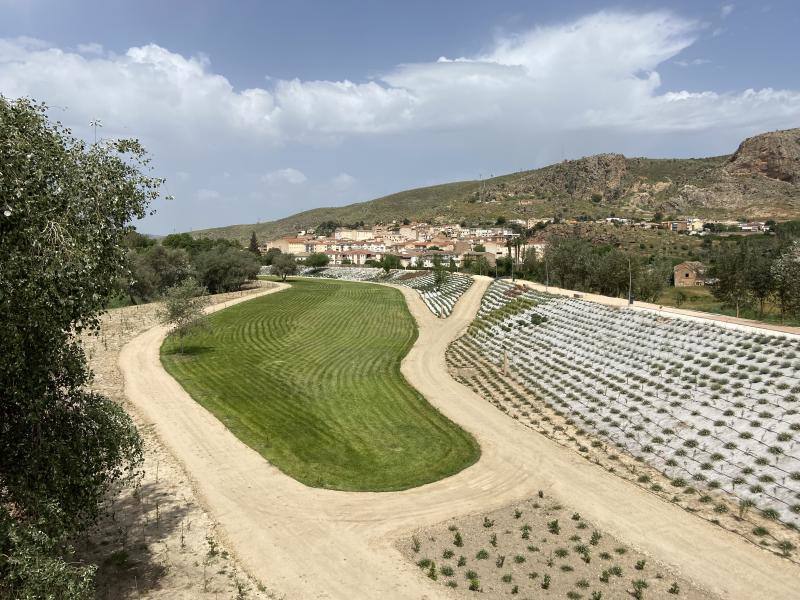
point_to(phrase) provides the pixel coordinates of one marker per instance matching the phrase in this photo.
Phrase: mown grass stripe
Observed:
(310, 378)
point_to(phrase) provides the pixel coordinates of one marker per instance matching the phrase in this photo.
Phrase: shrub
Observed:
(482, 554)
(674, 588)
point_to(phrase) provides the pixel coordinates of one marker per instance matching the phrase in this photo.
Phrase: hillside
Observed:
(760, 180)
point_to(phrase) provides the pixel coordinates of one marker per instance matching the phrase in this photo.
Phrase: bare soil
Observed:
(155, 540)
(525, 555)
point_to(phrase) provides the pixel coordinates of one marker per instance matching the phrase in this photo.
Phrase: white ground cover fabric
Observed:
(707, 404)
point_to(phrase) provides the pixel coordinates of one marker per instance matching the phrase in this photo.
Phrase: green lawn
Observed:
(310, 378)
(700, 298)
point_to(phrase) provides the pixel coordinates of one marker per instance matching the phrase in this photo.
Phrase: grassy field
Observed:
(701, 298)
(310, 378)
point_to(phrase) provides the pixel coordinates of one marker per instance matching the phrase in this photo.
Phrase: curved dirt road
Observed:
(313, 543)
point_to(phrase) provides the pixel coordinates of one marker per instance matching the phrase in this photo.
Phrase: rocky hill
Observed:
(761, 180)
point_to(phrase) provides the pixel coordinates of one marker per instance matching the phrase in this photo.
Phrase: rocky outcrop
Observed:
(775, 155)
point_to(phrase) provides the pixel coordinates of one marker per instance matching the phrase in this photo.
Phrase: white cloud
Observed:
(592, 84)
(726, 10)
(559, 76)
(343, 181)
(283, 176)
(91, 48)
(697, 62)
(206, 195)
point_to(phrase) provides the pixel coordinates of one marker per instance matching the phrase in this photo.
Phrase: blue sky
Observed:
(255, 110)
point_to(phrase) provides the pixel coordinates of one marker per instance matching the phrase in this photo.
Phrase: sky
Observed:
(254, 110)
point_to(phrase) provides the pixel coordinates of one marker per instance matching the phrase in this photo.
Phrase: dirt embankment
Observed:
(157, 540)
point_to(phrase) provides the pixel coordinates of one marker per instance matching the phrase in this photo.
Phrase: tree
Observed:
(439, 272)
(389, 262)
(284, 265)
(253, 247)
(730, 271)
(153, 270)
(65, 208)
(786, 277)
(758, 273)
(650, 280)
(530, 264)
(225, 269)
(183, 308)
(317, 260)
(480, 266)
(479, 248)
(610, 275)
(269, 256)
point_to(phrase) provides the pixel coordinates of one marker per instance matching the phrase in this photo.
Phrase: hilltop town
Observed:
(417, 244)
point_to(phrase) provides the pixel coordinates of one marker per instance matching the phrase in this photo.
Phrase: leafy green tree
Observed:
(183, 308)
(480, 266)
(153, 270)
(317, 260)
(479, 248)
(284, 265)
(649, 280)
(65, 208)
(269, 256)
(503, 264)
(730, 271)
(758, 273)
(326, 228)
(389, 262)
(253, 247)
(571, 262)
(530, 264)
(786, 278)
(610, 275)
(225, 269)
(195, 245)
(439, 272)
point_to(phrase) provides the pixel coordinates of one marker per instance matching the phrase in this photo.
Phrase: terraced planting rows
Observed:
(310, 378)
(709, 406)
(538, 549)
(439, 300)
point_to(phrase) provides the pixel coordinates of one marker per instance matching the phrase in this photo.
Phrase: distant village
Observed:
(418, 244)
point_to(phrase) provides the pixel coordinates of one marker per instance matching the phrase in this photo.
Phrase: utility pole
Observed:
(630, 282)
(95, 123)
(546, 275)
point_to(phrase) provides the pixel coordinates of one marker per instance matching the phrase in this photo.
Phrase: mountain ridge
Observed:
(760, 180)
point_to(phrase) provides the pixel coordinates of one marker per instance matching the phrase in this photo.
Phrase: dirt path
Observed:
(312, 543)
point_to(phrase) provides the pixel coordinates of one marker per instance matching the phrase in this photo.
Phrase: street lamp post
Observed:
(95, 123)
